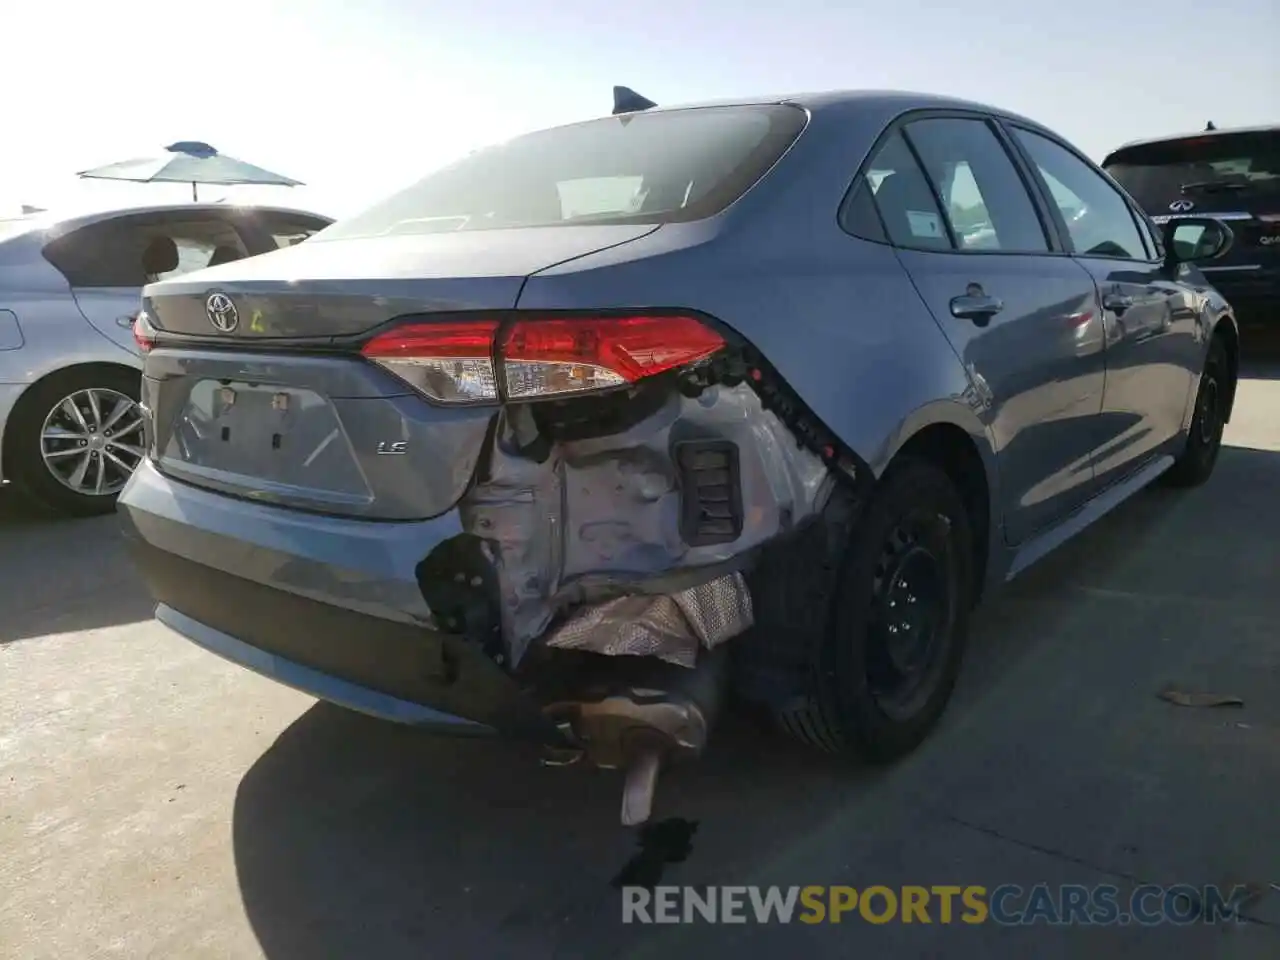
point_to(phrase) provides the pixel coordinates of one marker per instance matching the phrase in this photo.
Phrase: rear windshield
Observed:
(660, 167)
(1223, 164)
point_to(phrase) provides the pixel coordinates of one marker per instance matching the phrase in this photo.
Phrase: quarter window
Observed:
(986, 202)
(1098, 219)
(903, 198)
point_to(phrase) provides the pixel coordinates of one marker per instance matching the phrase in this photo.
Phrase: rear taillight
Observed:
(143, 332)
(451, 361)
(454, 361)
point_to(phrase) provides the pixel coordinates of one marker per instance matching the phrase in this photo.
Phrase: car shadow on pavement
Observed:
(94, 583)
(356, 837)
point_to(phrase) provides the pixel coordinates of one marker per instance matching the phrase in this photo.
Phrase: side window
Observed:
(287, 231)
(986, 201)
(859, 216)
(132, 252)
(100, 255)
(198, 243)
(1098, 218)
(901, 194)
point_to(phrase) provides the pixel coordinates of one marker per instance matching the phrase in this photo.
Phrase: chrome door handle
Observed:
(1117, 303)
(978, 308)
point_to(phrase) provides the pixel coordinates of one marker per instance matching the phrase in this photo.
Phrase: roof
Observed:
(883, 100)
(1194, 135)
(60, 221)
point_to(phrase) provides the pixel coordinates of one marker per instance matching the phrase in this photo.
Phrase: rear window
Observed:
(1235, 163)
(661, 167)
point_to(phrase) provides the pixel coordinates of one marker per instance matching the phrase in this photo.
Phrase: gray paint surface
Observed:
(1057, 396)
(58, 327)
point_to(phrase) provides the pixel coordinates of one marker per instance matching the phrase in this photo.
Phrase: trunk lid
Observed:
(323, 289)
(275, 411)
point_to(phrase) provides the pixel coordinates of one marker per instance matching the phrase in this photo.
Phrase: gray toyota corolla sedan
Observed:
(70, 429)
(578, 437)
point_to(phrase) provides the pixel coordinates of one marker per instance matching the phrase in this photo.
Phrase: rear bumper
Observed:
(327, 606)
(314, 682)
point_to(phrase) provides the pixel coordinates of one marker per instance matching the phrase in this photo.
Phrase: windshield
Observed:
(1236, 163)
(666, 166)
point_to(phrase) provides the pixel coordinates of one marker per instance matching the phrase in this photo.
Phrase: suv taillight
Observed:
(454, 361)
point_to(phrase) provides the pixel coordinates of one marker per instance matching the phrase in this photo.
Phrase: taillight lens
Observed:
(144, 334)
(541, 356)
(450, 362)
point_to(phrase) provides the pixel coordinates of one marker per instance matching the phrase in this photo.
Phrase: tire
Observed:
(45, 443)
(852, 708)
(1204, 440)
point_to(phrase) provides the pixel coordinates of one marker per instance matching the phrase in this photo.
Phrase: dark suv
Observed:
(1232, 175)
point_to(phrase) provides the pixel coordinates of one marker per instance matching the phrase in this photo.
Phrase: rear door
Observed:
(1232, 175)
(104, 261)
(1154, 350)
(1020, 315)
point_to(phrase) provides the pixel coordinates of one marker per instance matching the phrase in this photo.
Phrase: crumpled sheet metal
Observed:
(671, 627)
(600, 514)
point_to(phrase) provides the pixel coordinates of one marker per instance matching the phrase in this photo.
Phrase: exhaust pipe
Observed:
(639, 714)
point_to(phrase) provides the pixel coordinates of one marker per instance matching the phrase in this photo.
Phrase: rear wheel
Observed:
(75, 439)
(896, 632)
(1200, 455)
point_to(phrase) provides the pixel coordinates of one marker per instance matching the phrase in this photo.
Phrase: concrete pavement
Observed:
(157, 802)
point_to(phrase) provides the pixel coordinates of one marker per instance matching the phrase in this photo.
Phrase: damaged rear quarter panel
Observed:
(836, 316)
(601, 517)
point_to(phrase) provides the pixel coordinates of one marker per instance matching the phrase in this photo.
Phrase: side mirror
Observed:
(1196, 239)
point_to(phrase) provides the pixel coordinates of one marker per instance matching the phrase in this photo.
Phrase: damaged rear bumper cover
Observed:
(266, 594)
(625, 545)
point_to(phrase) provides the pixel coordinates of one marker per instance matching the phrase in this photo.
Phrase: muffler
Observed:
(638, 714)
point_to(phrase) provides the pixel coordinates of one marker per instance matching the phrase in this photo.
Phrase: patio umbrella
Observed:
(193, 162)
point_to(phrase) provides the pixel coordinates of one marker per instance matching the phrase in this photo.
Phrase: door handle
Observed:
(1117, 303)
(126, 322)
(979, 308)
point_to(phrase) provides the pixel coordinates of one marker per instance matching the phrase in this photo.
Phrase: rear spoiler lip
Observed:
(1215, 134)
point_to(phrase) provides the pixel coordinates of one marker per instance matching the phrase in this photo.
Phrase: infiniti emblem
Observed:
(222, 313)
(1181, 206)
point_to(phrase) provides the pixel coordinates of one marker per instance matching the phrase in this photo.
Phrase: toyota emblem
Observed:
(1181, 206)
(222, 313)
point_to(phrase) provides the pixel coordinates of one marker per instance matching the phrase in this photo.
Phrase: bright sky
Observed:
(358, 99)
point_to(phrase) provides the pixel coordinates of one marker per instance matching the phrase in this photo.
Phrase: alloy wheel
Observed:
(92, 441)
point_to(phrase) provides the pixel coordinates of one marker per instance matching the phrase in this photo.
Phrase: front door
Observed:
(1154, 339)
(1022, 319)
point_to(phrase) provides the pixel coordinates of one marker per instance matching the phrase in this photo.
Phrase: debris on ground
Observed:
(1184, 699)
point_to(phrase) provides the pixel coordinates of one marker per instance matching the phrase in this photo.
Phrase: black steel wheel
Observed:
(1204, 440)
(898, 622)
